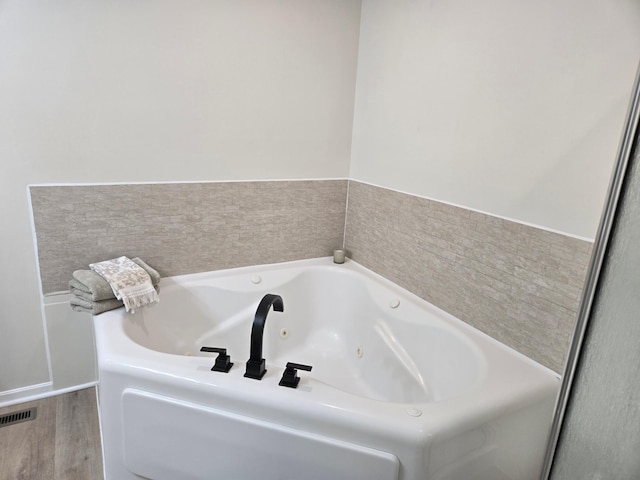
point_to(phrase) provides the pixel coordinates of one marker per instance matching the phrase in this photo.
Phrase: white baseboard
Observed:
(36, 392)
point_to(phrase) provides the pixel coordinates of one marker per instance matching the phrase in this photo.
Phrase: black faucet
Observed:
(256, 364)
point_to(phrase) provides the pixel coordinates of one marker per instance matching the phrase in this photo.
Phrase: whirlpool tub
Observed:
(399, 390)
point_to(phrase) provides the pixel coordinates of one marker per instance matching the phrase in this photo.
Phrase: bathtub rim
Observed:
(191, 278)
(483, 399)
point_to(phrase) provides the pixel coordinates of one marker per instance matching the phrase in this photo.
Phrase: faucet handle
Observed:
(223, 361)
(290, 377)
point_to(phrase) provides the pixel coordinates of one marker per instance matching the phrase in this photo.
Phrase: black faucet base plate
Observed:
(256, 369)
(289, 383)
(222, 369)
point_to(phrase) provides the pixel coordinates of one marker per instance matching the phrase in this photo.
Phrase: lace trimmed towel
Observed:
(129, 282)
(92, 287)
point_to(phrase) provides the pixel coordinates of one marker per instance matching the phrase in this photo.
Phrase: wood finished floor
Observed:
(62, 443)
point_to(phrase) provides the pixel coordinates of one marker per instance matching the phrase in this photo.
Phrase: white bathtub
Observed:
(398, 390)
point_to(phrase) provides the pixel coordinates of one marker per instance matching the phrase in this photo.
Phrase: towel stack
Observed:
(92, 293)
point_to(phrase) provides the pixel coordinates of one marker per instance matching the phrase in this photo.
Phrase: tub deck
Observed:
(398, 390)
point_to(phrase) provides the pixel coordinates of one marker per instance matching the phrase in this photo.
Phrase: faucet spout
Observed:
(256, 365)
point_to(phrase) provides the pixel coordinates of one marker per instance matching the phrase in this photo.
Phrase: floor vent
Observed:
(17, 417)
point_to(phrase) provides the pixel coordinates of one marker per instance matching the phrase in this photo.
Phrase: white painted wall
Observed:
(514, 108)
(120, 91)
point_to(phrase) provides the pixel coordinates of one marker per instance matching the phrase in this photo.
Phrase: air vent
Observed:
(17, 417)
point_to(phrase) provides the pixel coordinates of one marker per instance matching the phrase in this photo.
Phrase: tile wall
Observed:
(517, 283)
(183, 228)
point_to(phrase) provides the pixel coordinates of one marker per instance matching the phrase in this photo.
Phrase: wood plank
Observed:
(28, 447)
(78, 454)
(62, 443)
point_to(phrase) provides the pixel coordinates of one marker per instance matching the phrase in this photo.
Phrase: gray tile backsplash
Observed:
(517, 283)
(183, 228)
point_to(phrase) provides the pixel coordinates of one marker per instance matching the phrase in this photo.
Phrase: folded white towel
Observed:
(129, 282)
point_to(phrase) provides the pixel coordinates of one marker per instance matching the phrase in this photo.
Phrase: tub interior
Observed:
(360, 336)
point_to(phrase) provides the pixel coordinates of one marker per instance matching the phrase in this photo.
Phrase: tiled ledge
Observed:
(183, 228)
(517, 283)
